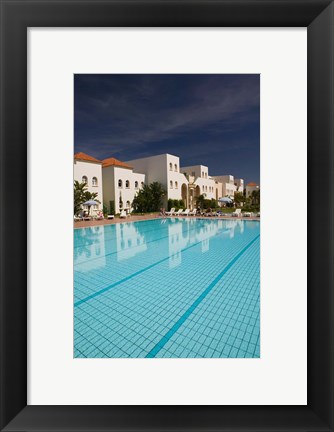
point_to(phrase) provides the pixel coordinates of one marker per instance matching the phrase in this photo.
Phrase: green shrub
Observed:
(111, 207)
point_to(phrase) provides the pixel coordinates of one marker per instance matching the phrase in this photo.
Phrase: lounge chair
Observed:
(258, 214)
(123, 214)
(171, 211)
(236, 213)
(77, 218)
(99, 216)
(111, 216)
(186, 212)
(193, 212)
(179, 212)
(247, 214)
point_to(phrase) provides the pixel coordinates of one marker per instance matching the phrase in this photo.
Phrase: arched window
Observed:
(206, 188)
(206, 175)
(120, 183)
(171, 167)
(171, 184)
(142, 184)
(175, 167)
(203, 174)
(176, 185)
(84, 179)
(136, 184)
(94, 181)
(127, 184)
(128, 204)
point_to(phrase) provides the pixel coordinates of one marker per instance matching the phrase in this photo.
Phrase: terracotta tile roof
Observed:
(252, 184)
(85, 157)
(114, 162)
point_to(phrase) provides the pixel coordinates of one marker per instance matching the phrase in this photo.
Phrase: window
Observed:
(120, 183)
(175, 167)
(206, 175)
(128, 204)
(206, 188)
(94, 181)
(203, 174)
(136, 184)
(176, 185)
(142, 184)
(193, 173)
(84, 179)
(171, 167)
(127, 184)
(171, 184)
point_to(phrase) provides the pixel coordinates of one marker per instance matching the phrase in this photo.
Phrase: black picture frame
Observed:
(16, 17)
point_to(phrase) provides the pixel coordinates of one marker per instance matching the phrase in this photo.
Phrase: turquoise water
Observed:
(178, 287)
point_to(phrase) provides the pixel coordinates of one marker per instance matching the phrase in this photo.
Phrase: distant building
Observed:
(227, 184)
(250, 187)
(88, 170)
(200, 183)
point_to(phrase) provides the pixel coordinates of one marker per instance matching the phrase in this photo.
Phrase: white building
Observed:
(121, 181)
(250, 187)
(240, 185)
(88, 170)
(164, 169)
(228, 185)
(200, 183)
(120, 184)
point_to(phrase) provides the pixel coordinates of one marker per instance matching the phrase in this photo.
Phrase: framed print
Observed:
(62, 357)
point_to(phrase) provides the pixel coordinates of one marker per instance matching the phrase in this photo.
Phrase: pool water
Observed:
(172, 288)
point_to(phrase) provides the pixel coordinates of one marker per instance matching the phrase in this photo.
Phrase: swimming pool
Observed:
(176, 288)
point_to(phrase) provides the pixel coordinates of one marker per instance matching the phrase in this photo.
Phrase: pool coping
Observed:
(106, 222)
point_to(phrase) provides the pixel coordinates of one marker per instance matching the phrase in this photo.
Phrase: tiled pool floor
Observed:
(181, 288)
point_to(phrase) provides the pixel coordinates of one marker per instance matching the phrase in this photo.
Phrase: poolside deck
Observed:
(134, 218)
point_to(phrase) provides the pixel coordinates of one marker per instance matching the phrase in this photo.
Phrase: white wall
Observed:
(207, 187)
(228, 186)
(250, 189)
(113, 192)
(196, 170)
(154, 167)
(174, 177)
(240, 185)
(157, 169)
(90, 170)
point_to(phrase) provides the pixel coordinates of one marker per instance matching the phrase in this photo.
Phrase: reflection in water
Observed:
(129, 241)
(95, 247)
(89, 244)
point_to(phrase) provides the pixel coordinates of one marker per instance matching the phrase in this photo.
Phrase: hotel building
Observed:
(121, 181)
(88, 170)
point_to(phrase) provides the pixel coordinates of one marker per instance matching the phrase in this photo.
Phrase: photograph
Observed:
(166, 177)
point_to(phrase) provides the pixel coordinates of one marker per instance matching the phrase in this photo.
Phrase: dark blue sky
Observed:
(212, 120)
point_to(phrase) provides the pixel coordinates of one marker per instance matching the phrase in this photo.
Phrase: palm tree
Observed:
(80, 189)
(90, 196)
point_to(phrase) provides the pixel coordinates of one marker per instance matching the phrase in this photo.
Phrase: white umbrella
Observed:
(225, 200)
(90, 203)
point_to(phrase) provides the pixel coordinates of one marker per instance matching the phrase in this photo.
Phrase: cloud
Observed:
(144, 111)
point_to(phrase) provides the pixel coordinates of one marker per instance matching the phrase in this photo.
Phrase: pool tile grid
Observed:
(150, 320)
(89, 283)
